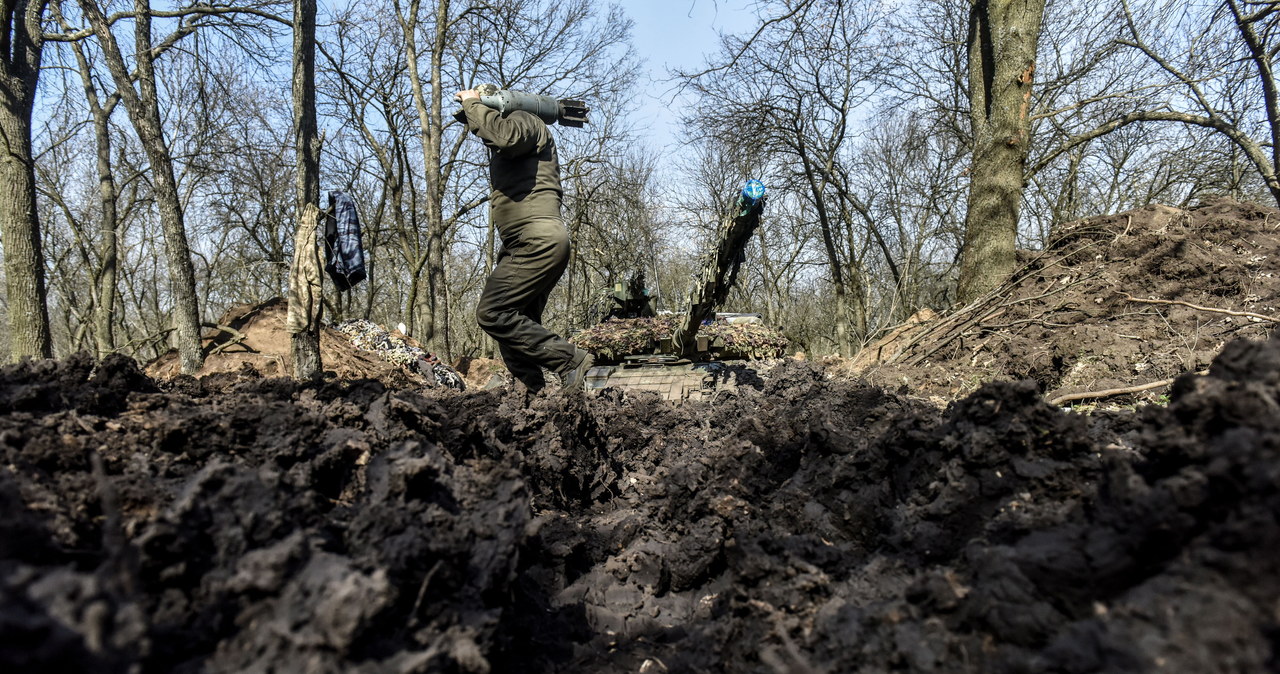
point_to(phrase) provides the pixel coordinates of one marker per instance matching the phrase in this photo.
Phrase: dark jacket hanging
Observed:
(343, 248)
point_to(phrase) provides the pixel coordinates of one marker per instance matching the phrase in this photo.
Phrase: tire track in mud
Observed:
(811, 525)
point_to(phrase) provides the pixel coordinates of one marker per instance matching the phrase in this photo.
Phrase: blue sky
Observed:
(677, 34)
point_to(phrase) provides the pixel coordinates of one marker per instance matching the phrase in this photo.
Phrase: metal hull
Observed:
(674, 382)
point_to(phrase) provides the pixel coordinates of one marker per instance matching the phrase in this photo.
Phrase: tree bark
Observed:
(104, 276)
(20, 50)
(305, 345)
(143, 106)
(839, 279)
(1002, 55)
(430, 121)
(104, 308)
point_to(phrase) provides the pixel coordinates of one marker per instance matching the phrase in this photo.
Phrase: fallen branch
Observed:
(224, 328)
(1248, 314)
(146, 342)
(237, 337)
(1107, 393)
(1057, 287)
(1000, 297)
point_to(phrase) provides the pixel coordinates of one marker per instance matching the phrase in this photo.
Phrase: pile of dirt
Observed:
(251, 341)
(481, 373)
(1113, 302)
(811, 525)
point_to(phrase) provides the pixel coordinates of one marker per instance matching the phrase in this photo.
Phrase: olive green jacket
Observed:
(524, 168)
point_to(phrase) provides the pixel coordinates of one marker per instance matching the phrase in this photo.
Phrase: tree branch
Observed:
(1247, 314)
(193, 11)
(1107, 393)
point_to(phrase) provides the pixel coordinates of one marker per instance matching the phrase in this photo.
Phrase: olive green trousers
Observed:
(533, 257)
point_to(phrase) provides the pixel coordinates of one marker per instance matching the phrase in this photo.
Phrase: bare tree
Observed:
(305, 346)
(1003, 36)
(21, 45)
(143, 106)
(1222, 94)
(370, 89)
(1204, 65)
(429, 103)
(105, 269)
(907, 182)
(800, 102)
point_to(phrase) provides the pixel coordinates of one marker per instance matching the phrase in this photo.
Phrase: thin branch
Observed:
(1107, 393)
(1248, 314)
(195, 11)
(742, 49)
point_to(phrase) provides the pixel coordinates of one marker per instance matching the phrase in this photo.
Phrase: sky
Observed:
(672, 34)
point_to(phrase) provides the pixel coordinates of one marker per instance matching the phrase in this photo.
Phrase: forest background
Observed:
(908, 146)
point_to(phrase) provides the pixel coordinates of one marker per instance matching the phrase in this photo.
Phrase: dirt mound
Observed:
(480, 373)
(1112, 302)
(252, 342)
(814, 525)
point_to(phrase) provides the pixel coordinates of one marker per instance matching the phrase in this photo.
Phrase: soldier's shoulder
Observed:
(525, 117)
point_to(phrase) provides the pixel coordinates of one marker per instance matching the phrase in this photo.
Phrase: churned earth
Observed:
(808, 521)
(1112, 302)
(811, 525)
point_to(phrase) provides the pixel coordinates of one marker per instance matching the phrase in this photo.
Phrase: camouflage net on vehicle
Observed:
(621, 337)
(370, 336)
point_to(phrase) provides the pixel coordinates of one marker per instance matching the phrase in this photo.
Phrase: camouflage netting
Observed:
(370, 336)
(621, 337)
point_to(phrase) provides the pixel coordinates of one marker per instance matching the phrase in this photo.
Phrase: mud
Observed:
(250, 340)
(240, 523)
(1085, 314)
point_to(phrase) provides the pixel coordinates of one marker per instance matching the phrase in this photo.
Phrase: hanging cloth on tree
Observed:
(344, 251)
(304, 275)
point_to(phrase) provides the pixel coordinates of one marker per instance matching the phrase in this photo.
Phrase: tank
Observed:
(694, 354)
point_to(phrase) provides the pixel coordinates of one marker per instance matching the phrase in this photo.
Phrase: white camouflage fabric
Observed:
(370, 336)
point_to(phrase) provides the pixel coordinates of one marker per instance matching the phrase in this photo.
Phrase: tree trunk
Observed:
(430, 124)
(143, 106)
(29, 333)
(438, 339)
(105, 291)
(817, 187)
(104, 308)
(104, 288)
(305, 345)
(1002, 52)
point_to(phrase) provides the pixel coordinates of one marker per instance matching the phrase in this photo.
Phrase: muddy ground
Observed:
(812, 525)
(252, 339)
(805, 523)
(1111, 302)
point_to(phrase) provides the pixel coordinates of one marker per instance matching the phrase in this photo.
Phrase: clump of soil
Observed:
(812, 525)
(240, 522)
(1113, 302)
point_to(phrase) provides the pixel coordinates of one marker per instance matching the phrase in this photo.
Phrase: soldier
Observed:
(524, 172)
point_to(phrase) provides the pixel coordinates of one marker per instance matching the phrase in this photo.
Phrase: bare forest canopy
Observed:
(901, 157)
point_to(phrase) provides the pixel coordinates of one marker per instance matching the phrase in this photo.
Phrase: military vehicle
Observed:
(684, 365)
(687, 365)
